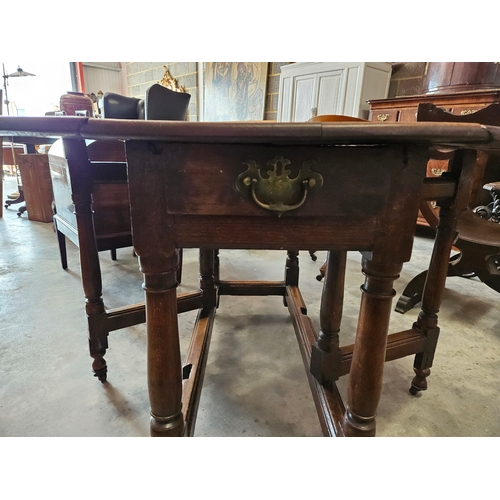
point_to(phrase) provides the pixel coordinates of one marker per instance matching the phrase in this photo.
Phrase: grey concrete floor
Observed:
(255, 384)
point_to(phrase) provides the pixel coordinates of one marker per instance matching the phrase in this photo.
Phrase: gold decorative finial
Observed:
(170, 82)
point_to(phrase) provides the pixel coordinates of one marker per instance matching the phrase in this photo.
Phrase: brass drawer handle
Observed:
(437, 171)
(467, 111)
(382, 117)
(277, 192)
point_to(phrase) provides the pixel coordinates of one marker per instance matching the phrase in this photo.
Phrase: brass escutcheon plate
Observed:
(278, 192)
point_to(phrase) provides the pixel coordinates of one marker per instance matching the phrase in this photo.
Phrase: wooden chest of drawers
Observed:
(404, 110)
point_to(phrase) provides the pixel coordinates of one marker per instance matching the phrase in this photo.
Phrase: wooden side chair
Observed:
(109, 192)
(109, 187)
(478, 242)
(101, 183)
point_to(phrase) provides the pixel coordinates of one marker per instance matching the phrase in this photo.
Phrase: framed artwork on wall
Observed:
(234, 91)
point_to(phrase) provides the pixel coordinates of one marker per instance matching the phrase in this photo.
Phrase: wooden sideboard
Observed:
(404, 110)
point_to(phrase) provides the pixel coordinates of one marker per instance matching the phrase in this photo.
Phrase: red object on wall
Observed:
(80, 77)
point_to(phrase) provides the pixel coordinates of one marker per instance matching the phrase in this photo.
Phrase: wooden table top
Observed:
(444, 134)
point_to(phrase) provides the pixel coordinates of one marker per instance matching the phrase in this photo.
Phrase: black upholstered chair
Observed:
(159, 103)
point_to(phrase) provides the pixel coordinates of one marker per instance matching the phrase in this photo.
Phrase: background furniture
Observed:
(109, 181)
(310, 89)
(11, 154)
(160, 103)
(37, 186)
(478, 241)
(106, 184)
(100, 185)
(448, 77)
(27, 145)
(404, 110)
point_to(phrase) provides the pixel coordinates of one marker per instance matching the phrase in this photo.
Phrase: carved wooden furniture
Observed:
(404, 110)
(478, 241)
(105, 184)
(493, 209)
(448, 77)
(275, 186)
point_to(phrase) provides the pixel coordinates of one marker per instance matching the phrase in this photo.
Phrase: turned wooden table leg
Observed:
(291, 277)
(81, 186)
(216, 266)
(464, 166)
(365, 379)
(434, 287)
(325, 353)
(292, 268)
(92, 286)
(163, 350)
(207, 278)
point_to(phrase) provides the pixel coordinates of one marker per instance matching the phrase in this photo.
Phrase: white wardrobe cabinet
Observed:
(311, 89)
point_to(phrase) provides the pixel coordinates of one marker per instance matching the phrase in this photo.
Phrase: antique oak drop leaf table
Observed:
(334, 187)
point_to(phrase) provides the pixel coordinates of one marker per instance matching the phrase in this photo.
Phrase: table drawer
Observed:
(466, 109)
(284, 181)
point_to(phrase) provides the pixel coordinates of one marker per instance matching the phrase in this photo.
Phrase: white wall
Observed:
(105, 77)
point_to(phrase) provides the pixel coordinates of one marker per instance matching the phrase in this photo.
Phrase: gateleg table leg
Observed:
(163, 350)
(435, 283)
(365, 378)
(81, 186)
(325, 353)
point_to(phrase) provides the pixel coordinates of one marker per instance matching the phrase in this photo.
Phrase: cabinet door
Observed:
(303, 98)
(330, 93)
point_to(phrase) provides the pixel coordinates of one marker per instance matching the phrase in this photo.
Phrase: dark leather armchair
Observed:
(120, 106)
(160, 103)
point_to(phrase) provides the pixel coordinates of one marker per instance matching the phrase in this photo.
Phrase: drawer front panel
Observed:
(466, 109)
(285, 181)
